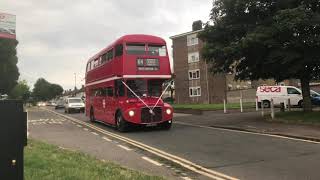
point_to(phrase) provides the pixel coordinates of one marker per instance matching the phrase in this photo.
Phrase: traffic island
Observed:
(45, 161)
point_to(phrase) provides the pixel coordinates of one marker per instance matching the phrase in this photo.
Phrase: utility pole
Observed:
(75, 81)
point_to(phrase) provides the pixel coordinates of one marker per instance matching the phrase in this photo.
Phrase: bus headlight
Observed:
(131, 113)
(168, 111)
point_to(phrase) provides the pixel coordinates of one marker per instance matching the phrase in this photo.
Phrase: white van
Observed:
(279, 94)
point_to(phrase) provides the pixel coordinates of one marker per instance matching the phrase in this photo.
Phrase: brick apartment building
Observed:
(193, 82)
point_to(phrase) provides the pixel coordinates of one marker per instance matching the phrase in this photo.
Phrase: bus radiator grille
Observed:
(147, 117)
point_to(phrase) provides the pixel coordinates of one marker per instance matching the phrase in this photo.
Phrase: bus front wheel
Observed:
(121, 124)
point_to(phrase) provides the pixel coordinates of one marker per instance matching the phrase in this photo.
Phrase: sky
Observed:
(57, 37)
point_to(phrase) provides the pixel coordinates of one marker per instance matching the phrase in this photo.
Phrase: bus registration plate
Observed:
(152, 125)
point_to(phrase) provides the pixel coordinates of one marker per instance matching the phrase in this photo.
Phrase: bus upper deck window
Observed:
(157, 50)
(136, 49)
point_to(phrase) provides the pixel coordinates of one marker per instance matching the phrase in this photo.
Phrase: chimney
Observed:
(197, 25)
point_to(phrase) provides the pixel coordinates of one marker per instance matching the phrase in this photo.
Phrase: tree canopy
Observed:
(20, 91)
(265, 39)
(43, 90)
(9, 73)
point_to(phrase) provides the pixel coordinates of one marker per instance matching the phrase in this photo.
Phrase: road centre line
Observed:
(170, 157)
(151, 161)
(247, 132)
(124, 147)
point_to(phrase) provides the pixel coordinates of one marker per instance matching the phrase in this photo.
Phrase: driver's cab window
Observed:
(293, 91)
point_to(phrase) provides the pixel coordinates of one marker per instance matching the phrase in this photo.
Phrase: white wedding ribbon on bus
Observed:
(151, 109)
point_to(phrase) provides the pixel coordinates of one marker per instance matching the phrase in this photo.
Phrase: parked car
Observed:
(59, 104)
(73, 104)
(315, 98)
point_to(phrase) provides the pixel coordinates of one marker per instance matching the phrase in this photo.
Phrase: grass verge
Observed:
(44, 161)
(298, 117)
(213, 106)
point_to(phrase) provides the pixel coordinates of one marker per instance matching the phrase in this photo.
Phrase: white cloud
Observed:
(57, 37)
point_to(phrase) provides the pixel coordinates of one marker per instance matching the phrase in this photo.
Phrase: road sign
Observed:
(7, 26)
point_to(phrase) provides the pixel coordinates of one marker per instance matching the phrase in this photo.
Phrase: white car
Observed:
(279, 94)
(39, 104)
(73, 104)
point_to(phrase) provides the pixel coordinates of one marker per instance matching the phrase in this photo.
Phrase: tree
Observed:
(56, 90)
(20, 91)
(265, 39)
(9, 72)
(43, 90)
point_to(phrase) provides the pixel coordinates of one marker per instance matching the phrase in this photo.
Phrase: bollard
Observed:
(272, 109)
(285, 104)
(282, 107)
(289, 105)
(262, 109)
(241, 107)
(257, 104)
(224, 106)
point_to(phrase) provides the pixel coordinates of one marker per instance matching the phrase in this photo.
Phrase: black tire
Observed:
(92, 118)
(121, 124)
(300, 104)
(266, 104)
(166, 125)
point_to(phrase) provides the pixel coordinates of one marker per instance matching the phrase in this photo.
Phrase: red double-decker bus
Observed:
(124, 83)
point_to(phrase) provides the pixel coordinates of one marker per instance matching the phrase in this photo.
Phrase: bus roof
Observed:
(131, 38)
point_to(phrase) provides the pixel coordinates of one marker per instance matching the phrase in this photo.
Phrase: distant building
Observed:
(193, 81)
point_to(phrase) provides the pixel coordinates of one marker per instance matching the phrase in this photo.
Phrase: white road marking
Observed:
(184, 174)
(151, 161)
(186, 178)
(173, 158)
(124, 147)
(107, 139)
(94, 133)
(246, 132)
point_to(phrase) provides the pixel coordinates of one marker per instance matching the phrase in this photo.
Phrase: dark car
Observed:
(59, 105)
(315, 98)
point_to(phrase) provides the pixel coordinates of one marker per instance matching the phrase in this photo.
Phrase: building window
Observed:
(195, 91)
(192, 40)
(193, 57)
(194, 74)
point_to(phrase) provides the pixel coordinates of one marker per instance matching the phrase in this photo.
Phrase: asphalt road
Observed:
(241, 155)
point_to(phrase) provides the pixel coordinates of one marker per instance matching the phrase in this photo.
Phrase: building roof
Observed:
(185, 34)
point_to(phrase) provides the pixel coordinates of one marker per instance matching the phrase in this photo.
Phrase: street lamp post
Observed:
(75, 81)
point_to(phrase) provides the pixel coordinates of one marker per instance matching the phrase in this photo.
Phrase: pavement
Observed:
(238, 154)
(252, 122)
